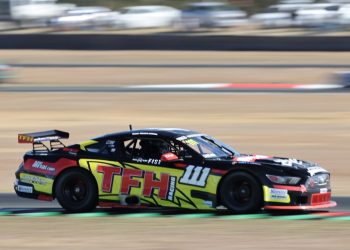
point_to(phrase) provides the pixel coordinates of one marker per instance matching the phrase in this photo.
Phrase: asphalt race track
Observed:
(154, 89)
(182, 65)
(11, 204)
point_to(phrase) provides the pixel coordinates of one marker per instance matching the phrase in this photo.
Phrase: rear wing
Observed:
(38, 139)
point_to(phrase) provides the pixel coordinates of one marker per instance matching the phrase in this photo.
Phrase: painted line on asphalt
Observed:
(245, 216)
(193, 216)
(189, 89)
(318, 216)
(240, 86)
(340, 218)
(138, 215)
(299, 217)
(87, 215)
(38, 214)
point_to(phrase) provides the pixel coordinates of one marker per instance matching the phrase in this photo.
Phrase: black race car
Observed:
(166, 167)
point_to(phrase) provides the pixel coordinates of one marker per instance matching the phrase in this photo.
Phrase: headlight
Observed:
(318, 180)
(287, 180)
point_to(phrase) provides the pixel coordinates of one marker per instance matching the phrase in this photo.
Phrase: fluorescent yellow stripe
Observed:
(83, 145)
(41, 184)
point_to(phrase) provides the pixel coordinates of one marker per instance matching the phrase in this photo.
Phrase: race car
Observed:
(165, 167)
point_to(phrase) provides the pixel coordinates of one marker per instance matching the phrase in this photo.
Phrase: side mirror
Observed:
(169, 157)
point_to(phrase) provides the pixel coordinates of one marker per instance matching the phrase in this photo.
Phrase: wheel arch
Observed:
(68, 169)
(240, 169)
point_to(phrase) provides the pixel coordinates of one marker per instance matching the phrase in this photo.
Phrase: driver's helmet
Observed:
(162, 146)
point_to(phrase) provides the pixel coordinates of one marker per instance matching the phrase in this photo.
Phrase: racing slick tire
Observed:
(76, 191)
(241, 193)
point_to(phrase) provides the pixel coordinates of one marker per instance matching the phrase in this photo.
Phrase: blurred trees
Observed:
(248, 5)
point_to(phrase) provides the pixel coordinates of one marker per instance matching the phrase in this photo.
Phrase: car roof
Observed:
(166, 132)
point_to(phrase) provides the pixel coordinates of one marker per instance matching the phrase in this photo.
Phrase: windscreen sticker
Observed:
(191, 142)
(212, 155)
(184, 137)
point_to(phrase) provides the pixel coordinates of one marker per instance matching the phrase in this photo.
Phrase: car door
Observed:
(162, 172)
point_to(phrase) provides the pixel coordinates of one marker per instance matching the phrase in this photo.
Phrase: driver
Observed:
(153, 149)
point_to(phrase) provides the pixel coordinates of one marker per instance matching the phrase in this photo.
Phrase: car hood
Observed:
(281, 163)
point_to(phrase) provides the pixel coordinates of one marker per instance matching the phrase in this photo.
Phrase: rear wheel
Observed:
(241, 193)
(76, 191)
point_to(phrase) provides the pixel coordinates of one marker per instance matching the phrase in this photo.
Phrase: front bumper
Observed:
(301, 207)
(297, 198)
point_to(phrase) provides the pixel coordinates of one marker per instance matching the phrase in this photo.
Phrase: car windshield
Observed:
(209, 147)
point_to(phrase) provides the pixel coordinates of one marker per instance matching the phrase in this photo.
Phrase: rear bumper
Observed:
(26, 190)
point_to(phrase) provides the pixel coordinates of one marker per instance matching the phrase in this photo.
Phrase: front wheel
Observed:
(241, 193)
(76, 191)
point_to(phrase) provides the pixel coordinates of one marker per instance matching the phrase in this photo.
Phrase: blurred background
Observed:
(89, 92)
(244, 17)
(92, 67)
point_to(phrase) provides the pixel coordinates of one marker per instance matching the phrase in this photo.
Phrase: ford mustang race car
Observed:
(165, 168)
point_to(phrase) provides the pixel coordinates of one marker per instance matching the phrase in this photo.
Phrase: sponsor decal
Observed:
(33, 179)
(314, 170)
(276, 195)
(25, 189)
(147, 161)
(48, 138)
(288, 162)
(195, 176)
(172, 188)
(110, 142)
(48, 168)
(40, 165)
(144, 133)
(25, 139)
(208, 203)
(130, 179)
(111, 145)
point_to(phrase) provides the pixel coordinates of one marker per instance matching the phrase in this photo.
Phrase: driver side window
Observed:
(152, 148)
(179, 150)
(145, 148)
